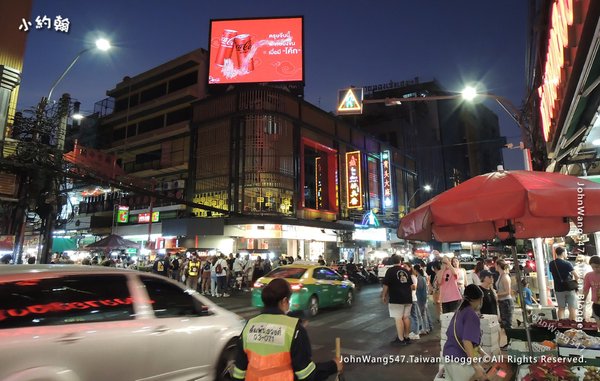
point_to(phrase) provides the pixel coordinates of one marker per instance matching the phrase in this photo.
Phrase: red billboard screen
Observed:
(256, 50)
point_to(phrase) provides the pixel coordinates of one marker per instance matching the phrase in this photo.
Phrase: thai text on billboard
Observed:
(353, 175)
(256, 50)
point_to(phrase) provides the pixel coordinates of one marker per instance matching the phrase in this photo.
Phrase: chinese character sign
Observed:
(386, 180)
(354, 180)
(256, 50)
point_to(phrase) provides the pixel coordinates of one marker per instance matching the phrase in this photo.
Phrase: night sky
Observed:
(346, 43)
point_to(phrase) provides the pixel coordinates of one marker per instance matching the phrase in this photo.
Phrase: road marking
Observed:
(356, 321)
(326, 320)
(316, 347)
(381, 326)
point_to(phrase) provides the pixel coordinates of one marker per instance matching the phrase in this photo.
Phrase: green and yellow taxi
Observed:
(313, 286)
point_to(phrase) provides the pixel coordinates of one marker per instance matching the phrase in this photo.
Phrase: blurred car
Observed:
(65, 323)
(383, 267)
(313, 287)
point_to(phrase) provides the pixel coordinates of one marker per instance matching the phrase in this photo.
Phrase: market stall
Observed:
(507, 205)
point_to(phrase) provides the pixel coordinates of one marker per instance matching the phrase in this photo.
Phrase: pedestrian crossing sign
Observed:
(350, 101)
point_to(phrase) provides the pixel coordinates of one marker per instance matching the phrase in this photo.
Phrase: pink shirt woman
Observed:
(447, 280)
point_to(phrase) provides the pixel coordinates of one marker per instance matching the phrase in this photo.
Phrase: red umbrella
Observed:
(538, 204)
(507, 204)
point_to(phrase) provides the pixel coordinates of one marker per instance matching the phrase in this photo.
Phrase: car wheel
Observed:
(349, 299)
(227, 361)
(313, 306)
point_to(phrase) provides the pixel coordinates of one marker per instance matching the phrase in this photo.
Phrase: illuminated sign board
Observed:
(256, 50)
(386, 180)
(354, 181)
(319, 182)
(144, 218)
(123, 214)
(370, 234)
(350, 101)
(563, 40)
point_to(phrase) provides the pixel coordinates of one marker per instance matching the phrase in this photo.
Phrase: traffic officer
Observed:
(193, 272)
(275, 347)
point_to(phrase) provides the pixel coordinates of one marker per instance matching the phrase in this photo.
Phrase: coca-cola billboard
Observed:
(256, 50)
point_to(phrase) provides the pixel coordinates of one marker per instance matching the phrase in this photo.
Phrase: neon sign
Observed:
(319, 183)
(386, 180)
(144, 218)
(123, 214)
(551, 90)
(354, 181)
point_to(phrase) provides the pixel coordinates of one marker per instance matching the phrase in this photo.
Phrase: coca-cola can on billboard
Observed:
(225, 46)
(243, 45)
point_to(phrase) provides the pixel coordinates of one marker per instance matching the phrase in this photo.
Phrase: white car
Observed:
(383, 267)
(76, 323)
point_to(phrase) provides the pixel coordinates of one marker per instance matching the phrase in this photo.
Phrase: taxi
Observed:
(313, 286)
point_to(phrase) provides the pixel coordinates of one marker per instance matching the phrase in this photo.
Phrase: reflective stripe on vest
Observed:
(267, 342)
(193, 268)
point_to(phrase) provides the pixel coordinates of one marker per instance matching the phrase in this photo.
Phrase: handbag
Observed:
(569, 284)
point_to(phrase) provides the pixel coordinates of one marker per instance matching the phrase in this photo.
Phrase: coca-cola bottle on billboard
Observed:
(225, 46)
(243, 46)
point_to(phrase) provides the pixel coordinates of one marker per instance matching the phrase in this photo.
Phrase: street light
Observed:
(101, 44)
(426, 188)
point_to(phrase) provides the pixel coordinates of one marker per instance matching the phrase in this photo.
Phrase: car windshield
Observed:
(287, 272)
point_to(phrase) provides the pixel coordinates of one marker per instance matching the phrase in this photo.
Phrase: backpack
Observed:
(218, 268)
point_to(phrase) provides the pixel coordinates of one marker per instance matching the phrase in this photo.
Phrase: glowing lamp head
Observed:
(427, 188)
(103, 44)
(469, 93)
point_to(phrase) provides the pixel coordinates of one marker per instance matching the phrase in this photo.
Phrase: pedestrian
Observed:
(491, 265)
(161, 266)
(461, 281)
(422, 292)
(221, 269)
(592, 282)
(461, 351)
(321, 260)
(447, 281)
(416, 321)
(213, 276)
(506, 303)
(562, 271)
(257, 269)
(582, 267)
(489, 304)
(205, 276)
(193, 272)
(475, 277)
(397, 293)
(175, 267)
(433, 265)
(238, 269)
(527, 294)
(282, 350)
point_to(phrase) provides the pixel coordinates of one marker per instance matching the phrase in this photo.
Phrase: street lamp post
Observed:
(426, 188)
(100, 44)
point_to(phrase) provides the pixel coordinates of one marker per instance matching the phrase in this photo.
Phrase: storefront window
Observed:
(319, 176)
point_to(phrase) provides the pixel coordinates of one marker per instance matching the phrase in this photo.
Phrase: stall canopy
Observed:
(539, 204)
(60, 244)
(508, 205)
(113, 241)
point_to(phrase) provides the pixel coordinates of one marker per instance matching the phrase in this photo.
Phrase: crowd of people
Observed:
(216, 275)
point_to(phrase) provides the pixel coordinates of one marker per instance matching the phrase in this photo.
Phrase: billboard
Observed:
(122, 214)
(256, 50)
(386, 180)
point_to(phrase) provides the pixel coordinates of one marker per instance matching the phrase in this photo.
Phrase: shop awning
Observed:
(60, 244)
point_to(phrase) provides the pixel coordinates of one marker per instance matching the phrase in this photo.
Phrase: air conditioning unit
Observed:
(178, 184)
(168, 185)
